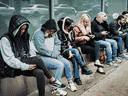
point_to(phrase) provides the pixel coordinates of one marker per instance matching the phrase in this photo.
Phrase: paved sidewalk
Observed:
(115, 84)
(88, 80)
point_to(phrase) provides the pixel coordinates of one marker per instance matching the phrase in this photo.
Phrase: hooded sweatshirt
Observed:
(67, 38)
(10, 41)
(44, 45)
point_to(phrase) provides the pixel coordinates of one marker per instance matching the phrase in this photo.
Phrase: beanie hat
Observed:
(49, 25)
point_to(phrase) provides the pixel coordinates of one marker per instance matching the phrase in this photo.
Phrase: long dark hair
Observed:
(21, 40)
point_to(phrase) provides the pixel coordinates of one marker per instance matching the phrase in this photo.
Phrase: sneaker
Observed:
(59, 92)
(112, 64)
(72, 86)
(123, 56)
(117, 60)
(57, 84)
(125, 50)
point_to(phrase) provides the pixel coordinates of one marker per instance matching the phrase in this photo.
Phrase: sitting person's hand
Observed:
(86, 38)
(31, 67)
(92, 36)
(120, 32)
(73, 55)
(104, 33)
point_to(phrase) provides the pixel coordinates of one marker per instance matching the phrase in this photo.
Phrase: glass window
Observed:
(62, 8)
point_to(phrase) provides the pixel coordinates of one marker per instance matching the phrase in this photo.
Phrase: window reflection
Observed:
(37, 11)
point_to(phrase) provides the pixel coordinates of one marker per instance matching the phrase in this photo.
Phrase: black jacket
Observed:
(15, 22)
(97, 28)
(125, 27)
(114, 26)
(63, 37)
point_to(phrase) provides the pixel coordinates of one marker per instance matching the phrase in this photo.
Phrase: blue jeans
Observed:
(110, 48)
(58, 64)
(125, 38)
(119, 43)
(76, 60)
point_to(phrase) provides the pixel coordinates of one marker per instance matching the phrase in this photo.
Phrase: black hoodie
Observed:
(14, 27)
(15, 40)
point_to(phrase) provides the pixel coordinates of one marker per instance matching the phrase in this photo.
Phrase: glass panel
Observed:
(71, 8)
(115, 6)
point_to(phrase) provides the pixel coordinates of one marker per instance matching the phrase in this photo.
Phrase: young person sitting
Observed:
(19, 59)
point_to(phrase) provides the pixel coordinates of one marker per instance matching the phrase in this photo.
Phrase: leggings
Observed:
(39, 73)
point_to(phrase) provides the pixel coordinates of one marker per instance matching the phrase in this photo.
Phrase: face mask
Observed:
(71, 28)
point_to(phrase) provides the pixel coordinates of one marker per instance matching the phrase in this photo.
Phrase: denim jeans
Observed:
(76, 60)
(125, 38)
(91, 48)
(110, 48)
(59, 65)
(119, 43)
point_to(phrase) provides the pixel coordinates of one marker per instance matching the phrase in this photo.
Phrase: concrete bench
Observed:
(22, 85)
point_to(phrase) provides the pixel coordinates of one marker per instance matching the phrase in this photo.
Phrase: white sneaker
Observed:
(59, 92)
(72, 86)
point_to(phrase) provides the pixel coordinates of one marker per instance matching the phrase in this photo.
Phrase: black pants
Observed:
(39, 73)
(91, 48)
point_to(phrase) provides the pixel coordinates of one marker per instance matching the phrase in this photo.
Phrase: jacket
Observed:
(8, 50)
(39, 39)
(63, 37)
(114, 28)
(97, 29)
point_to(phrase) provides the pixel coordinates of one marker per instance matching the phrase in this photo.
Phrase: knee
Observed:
(60, 65)
(108, 45)
(38, 73)
(37, 58)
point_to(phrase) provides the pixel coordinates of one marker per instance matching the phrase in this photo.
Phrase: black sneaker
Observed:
(57, 84)
(85, 70)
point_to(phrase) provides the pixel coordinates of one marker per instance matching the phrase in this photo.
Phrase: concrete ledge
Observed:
(88, 80)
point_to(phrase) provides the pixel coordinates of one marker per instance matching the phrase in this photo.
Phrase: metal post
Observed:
(51, 9)
(127, 5)
(102, 5)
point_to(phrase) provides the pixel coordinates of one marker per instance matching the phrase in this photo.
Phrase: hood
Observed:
(15, 23)
(49, 25)
(61, 24)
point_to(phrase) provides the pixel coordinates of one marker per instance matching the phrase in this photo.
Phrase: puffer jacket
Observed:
(63, 37)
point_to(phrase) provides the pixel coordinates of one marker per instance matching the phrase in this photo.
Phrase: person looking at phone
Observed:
(119, 34)
(85, 40)
(100, 28)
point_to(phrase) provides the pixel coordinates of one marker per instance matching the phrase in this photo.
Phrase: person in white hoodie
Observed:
(17, 57)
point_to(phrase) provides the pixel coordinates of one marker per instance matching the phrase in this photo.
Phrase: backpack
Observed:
(102, 56)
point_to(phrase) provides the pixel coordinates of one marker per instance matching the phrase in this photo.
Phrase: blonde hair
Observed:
(80, 22)
(84, 17)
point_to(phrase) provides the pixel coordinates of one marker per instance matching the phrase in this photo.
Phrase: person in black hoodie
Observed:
(19, 59)
(100, 29)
